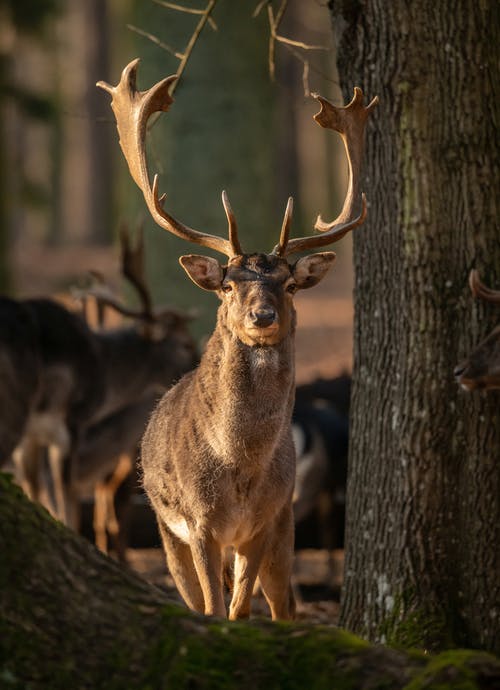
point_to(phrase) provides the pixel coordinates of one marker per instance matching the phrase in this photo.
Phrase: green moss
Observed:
(458, 669)
(411, 625)
(227, 655)
(71, 618)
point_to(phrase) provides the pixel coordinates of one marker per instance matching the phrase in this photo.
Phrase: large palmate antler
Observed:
(479, 289)
(132, 110)
(349, 122)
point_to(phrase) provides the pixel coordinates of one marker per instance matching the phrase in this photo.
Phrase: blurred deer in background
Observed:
(106, 462)
(218, 456)
(68, 394)
(109, 448)
(19, 373)
(87, 376)
(481, 369)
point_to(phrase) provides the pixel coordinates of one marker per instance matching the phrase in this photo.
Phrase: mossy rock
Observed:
(73, 618)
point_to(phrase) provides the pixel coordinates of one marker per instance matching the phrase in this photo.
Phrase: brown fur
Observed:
(218, 457)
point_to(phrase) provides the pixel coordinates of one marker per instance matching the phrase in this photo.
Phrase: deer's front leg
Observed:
(246, 566)
(275, 570)
(207, 558)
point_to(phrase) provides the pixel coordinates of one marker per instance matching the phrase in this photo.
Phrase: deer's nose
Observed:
(263, 317)
(459, 369)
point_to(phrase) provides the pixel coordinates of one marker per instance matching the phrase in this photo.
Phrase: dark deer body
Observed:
(19, 372)
(85, 376)
(67, 396)
(481, 369)
(105, 465)
(218, 455)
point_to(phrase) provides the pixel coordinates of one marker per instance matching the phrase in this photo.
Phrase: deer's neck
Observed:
(247, 392)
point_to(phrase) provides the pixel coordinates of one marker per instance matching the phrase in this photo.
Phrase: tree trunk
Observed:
(423, 557)
(72, 618)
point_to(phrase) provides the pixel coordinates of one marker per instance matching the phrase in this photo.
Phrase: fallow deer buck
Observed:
(481, 369)
(217, 456)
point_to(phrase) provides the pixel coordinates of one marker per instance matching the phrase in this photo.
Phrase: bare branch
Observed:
(305, 79)
(300, 44)
(307, 67)
(274, 23)
(192, 41)
(156, 40)
(182, 57)
(289, 43)
(187, 10)
(259, 7)
(178, 8)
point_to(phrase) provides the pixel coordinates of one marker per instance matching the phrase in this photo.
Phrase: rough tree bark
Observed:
(423, 556)
(72, 618)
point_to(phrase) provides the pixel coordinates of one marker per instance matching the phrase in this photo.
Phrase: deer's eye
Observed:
(291, 288)
(226, 288)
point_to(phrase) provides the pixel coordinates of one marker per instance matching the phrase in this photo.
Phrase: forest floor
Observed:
(317, 579)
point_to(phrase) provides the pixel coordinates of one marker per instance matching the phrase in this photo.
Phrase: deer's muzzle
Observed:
(262, 317)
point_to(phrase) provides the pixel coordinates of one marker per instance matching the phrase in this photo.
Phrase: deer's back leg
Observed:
(99, 521)
(275, 570)
(60, 452)
(27, 460)
(181, 567)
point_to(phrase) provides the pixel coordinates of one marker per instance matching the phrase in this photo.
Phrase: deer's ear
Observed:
(203, 270)
(309, 270)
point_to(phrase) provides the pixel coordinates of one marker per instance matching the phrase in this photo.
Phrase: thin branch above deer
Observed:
(218, 456)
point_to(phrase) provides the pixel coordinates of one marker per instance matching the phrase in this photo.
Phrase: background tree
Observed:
(17, 19)
(423, 520)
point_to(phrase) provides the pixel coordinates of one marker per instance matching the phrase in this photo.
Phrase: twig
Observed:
(187, 10)
(182, 57)
(257, 10)
(192, 41)
(288, 43)
(307, 67)
(273, 27)
(155, 39)
(299, 44)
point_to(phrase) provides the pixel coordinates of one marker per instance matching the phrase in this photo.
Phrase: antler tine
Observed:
(233, 228)
(349, 122)
(133, 268)
(99, 278)
(105, 298)
(479, 289)
(132, 109)
(280, 248)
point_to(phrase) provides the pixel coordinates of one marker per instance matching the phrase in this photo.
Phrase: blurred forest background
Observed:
(64, 185)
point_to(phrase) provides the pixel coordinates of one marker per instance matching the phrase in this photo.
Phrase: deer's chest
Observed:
(231, 505)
